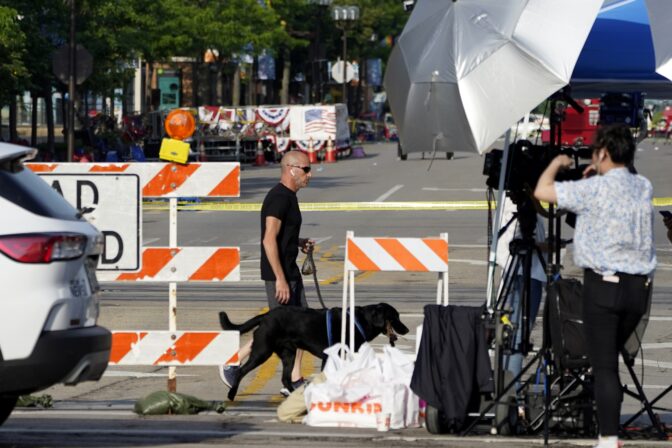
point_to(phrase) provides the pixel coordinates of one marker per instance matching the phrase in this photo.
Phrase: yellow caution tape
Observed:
(347, 206)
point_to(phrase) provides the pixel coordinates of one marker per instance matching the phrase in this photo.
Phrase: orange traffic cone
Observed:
(312, 155)
(260, 159)
(330, 156)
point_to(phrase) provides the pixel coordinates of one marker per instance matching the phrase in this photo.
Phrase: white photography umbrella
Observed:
(463, 71)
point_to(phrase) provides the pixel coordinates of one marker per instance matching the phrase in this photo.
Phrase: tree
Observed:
(13, 72)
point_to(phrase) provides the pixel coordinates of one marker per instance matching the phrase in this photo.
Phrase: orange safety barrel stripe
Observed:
(400, 254)
(170, 178)
(440, 248)
(153, 260)
(218, 266)
(109, 168)
(361, 261)
(230, 186)
(187, 347)
(42, 167)
(122, 343)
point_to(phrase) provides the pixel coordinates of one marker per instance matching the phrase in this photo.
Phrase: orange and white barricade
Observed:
(392, 255)
(174, 348)
(162, 180)
(172, 264)
(183, 264)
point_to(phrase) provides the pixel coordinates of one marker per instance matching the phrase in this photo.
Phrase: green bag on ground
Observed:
(35, 401)
(163, 403)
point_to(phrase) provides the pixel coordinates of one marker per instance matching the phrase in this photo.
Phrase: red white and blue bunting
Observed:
(273, 115)
(304, 145)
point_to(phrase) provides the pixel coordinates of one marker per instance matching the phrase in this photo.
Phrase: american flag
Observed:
(320, 120)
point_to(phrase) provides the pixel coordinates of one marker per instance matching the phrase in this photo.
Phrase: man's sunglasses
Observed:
(306, 169)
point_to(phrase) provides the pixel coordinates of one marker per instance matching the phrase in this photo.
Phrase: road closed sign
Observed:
(112, 203)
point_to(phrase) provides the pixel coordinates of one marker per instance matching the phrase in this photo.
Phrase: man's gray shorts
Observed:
(297, 294)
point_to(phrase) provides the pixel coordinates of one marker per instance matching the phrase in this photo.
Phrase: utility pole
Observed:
(72, 78)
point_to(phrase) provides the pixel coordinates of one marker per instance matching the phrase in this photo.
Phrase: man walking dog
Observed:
(280, 244)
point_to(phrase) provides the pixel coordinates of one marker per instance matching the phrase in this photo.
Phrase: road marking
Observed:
(149, 241)
(657, 345)
(389, 193)
(654, 363)
(472, 262)
(661, 318)
(348, 206)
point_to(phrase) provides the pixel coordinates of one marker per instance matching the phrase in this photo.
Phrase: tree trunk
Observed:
(194, 83)
(219, 85)
(149, 80)
(112, 103)
(235, 94)
(286, 71)
(49, 110)
(33, 119)
(13, 134)
(252, 87)
(64, 112)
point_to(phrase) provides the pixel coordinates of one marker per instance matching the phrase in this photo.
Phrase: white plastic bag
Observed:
(351, 395)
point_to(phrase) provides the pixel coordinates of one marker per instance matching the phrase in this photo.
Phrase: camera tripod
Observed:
(511, 329)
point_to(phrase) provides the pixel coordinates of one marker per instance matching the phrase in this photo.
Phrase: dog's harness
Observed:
(330, 337)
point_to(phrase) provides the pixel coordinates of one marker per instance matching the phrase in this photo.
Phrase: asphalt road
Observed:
(100, 414)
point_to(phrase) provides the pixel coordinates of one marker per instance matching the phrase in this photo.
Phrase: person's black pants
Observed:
(613, 306)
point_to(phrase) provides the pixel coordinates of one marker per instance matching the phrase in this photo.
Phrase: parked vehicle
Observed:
(48, 287)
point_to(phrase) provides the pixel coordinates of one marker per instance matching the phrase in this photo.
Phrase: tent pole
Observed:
(492, 262)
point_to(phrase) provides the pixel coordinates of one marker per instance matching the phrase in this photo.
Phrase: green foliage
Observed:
(13, 72)
(117, 32)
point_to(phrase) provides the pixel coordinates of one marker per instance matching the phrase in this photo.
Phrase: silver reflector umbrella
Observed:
(462, 72)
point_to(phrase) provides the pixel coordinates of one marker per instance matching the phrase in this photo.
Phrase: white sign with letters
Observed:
(112, 203)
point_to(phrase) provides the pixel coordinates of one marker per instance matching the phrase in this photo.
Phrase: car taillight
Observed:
(43, 247)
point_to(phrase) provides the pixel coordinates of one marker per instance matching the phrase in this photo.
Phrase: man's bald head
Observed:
(293, 175)
(295, 158)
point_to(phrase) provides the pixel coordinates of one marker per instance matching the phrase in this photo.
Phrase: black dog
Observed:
(283, 330)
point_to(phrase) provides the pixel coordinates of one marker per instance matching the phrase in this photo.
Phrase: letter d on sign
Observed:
(106, 257)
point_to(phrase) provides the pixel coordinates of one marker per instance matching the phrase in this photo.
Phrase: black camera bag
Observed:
(563, 324)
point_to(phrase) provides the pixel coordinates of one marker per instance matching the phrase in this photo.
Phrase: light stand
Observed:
(343, 16)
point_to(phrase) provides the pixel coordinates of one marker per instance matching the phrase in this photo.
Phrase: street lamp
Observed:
(343, 15)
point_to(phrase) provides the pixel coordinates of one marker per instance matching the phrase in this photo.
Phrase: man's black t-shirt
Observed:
(281, 203)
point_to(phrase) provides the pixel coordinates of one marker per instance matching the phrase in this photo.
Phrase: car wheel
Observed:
(450, 155)
(7, 403)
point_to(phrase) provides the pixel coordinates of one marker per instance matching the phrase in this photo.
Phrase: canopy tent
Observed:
(625, 47)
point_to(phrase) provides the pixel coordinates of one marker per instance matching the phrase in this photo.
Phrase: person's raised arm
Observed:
(545, 190)
(270, 243)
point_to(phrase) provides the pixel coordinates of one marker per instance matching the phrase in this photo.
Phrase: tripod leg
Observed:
(642, 398)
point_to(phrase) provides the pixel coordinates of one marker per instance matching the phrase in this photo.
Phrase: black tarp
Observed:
(452, 365)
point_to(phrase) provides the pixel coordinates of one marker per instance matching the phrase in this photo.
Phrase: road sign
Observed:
(112, 203)
(61, 64)
(337, 72)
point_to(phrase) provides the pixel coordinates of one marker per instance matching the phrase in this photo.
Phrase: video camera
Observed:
(408, 5)
(527, 162)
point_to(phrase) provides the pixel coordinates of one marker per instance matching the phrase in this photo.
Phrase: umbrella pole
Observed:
(492, 265)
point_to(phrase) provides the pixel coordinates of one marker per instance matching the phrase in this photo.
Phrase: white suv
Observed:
(48, 287)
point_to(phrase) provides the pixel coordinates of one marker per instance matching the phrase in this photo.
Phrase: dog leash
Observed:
(310, 268)
(330, 338)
